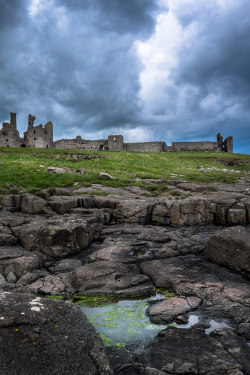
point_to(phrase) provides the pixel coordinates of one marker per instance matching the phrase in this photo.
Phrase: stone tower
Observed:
(115, 143)
(9, 135)
(38, 136)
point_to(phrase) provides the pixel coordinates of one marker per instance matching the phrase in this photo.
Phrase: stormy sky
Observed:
(171, 70)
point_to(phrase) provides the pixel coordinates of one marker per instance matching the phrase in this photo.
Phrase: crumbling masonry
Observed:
(42, 137)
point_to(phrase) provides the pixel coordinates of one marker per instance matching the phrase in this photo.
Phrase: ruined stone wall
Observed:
(39, 136)
(229, 144)
(146, 146)
(115, 143)
(195, 146)
(81, 144)
(9, 135)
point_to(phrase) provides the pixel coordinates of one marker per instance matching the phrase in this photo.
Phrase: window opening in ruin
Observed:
(23, 145)
(34, 139)
(7, 140)
(101, 147)
(34, 132)
(47, 146)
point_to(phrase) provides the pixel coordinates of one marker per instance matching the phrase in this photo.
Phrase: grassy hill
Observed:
(24, 169)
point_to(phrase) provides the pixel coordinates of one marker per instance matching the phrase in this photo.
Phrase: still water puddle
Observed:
(122, 322)
(214, 325)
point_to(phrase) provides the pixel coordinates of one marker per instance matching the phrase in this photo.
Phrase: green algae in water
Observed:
(122, 322)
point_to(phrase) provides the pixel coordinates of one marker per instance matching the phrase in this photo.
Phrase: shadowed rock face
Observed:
(126, 246)
(230, 247)
(41, 336)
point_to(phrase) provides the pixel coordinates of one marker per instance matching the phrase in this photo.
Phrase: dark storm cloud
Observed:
(76, 62)
(215, 62)
(73, 62)
(12, 13)
(133, 16)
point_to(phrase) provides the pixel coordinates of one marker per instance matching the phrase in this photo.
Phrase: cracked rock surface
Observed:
(197, 248)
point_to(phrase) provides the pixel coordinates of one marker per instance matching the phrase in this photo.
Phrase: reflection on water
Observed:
(192, 320)
(214, 325)
(124, 322)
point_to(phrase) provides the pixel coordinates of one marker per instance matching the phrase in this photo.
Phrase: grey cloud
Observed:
(76, 64)
(83, 77)
(133, 16)
(215, 62)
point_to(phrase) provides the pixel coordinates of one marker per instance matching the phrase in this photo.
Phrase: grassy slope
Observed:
(25, 169)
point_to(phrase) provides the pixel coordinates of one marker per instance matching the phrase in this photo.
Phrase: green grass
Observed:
(24, 169)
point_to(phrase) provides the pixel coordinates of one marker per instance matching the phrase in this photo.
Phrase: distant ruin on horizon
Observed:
(42, 137)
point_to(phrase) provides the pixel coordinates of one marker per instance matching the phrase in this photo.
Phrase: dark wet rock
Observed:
(230, 247)
(168, 310)
(41, 336)
(111, 277)
(191, 351)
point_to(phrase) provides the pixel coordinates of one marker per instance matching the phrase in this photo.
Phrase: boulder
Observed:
(57, 236)
(41, 336)
(58, 170)
(111, 277)
(168, 310)
(230, 247)
(27, 203)
(105, 176)
(32, 204)
(14, 259)
(134, 211)
(81, 171)
(62, 204)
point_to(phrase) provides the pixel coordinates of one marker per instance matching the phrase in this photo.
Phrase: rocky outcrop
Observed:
(16, 260)
(56, 236)
(191, 351)
(128, 245)
(191, 211)
(230, 247)
(41, 336)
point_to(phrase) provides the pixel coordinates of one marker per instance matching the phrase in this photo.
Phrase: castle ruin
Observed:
(42, 137)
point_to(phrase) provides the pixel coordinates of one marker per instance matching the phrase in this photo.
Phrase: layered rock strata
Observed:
(197, 248)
